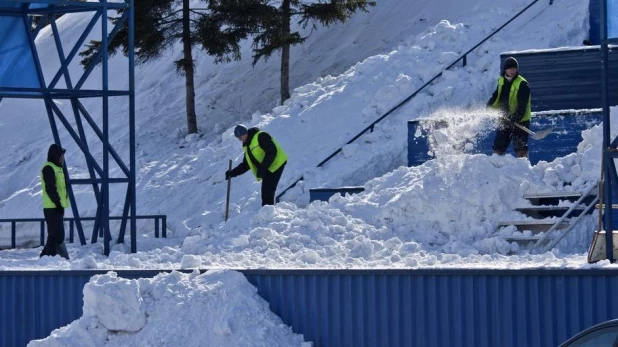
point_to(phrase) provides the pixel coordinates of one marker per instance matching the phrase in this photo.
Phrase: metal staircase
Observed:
(550, 217)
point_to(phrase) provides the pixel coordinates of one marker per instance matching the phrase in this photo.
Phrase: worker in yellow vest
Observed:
(512, 98)
(263, 156)
(55, 200)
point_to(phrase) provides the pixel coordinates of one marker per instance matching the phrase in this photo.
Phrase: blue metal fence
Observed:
(562, 141)
(160, 224)
(366, 307)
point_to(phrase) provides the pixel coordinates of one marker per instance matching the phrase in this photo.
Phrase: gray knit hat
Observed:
(240, 130)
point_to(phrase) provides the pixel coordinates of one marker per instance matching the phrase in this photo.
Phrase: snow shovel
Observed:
(539, 135)
(227, 199)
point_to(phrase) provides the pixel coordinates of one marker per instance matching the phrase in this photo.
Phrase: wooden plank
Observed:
(530, 223)
(552, 195)
(549, 208)
(523, 238)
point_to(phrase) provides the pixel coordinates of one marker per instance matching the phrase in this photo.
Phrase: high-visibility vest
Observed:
(513, 97)
(61, 187)
(259, 154)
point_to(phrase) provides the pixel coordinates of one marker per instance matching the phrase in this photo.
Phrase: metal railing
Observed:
(463, 58)
(160, 229)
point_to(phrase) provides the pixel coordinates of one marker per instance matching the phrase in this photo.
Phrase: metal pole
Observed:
(607, 158)
(105, 99)
(132, 163)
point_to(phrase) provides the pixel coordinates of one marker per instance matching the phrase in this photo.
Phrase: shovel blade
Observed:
(539, 135)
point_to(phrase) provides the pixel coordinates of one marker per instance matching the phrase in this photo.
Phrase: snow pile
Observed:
(217, 308)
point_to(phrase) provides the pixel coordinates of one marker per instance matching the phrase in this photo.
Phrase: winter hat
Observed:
(509, 63)
(240, 130)
(54, 152)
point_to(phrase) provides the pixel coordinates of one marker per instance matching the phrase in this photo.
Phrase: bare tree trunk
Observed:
(285, 52)
(188, 68)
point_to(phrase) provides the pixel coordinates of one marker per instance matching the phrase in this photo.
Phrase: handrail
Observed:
(72, 220)
(579, 201)
(463, 57)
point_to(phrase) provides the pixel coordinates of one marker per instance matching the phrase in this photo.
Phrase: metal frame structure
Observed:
(610, 151)
(48, 91)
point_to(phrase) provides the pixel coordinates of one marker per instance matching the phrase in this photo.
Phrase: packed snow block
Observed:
(428, 139)
(566, 78)
(323, 194)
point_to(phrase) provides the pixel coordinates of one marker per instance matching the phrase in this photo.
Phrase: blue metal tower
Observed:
(22, 76)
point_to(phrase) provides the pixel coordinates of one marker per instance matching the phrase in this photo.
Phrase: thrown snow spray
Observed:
(456, 131)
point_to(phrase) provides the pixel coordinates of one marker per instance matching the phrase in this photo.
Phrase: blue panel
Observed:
(366, 307)
(595, 21)
(324, 194)
(567, 78)
(561, 142)
(612, 19)
(419, 150)
(17, 68)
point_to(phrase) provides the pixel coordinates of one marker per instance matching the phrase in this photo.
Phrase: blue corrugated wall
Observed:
(566, 78)
(367, 307)
(562, 141)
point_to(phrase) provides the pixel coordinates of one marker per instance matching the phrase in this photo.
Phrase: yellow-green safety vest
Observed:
(259, 154)
(61, 187)
(513, 97)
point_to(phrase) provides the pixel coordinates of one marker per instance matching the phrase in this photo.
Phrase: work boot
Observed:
(499, 152)
(62, 251)
(522, 154)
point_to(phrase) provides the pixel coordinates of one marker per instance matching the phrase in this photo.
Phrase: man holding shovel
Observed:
(263, 156)
(512, 98)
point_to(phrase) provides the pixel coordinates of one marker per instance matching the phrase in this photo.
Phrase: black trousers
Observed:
(269, 185)
(508, 132)
(55, 234)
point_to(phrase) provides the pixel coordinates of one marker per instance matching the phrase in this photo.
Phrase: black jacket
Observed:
(49, 175)
(266, 143)
(523, 94)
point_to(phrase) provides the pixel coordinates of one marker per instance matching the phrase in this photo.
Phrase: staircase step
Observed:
(536, 226)
(552, 195)
(523, 238)
(544, 211)
(554, 198)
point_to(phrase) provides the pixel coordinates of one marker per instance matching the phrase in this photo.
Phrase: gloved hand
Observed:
(228, 175)
(261, 172)
(59, 209)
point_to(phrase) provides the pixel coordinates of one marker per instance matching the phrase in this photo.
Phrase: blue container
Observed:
(366, 307)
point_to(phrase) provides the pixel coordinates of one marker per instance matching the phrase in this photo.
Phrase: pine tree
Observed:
(269, 24)
(161, 23)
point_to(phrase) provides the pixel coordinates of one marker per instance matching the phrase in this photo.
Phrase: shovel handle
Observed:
(524, 128)
(227, 198)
